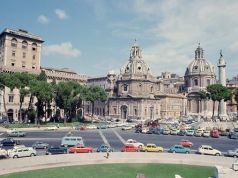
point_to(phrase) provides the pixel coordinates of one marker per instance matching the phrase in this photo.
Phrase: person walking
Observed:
(107, 153)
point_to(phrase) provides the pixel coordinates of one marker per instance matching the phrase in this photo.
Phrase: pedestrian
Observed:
(107, 154)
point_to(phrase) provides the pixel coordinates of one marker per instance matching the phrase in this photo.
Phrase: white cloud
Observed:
(176, 27)
(65, 48)
(61, 14)
(43, 19)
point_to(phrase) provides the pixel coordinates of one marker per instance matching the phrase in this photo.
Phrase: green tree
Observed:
(68, 97)
(94, 93)
(217, 92)
(43, 91)
(23, 86)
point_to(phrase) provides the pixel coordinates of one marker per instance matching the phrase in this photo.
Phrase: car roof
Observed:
(150, 144)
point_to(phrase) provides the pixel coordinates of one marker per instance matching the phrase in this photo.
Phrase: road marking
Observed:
(1, 133)
(103, 137)
(119, 136)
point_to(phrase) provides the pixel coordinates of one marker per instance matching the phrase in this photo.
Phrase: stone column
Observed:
(222, 80)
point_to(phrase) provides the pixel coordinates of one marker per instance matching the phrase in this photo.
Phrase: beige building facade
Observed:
(20, 51)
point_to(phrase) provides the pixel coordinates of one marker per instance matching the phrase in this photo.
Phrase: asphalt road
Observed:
(116, 137)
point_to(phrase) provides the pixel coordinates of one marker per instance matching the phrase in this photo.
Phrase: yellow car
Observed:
(152, 148)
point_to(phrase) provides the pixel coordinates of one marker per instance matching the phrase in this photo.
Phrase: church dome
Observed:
(199, 65)
(136, 65)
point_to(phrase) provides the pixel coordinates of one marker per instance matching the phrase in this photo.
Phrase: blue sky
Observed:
(93, 37)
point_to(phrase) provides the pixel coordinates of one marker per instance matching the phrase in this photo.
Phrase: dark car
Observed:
(233, 135)
(9, 142)
(40, 145)
(104, 148)
(182, 133)
(138, 130)
(56, 150)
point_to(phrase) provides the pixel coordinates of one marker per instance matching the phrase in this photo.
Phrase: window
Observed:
(14, 53)
(195, 82)
(151, 89)
(10, 99)
(14, 42)
(33, 67)
(13, 64)
(24, 45)
(208, 82)
(125, 87)
(34, 46)
(24, 55)
(34, 57)
(115, 110)
(135, 112)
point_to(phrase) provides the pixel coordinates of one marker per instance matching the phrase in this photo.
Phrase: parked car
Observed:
(214, 133)
(232, 153)
(145, 130)
(138, 130)
(157, 130)
(9, 142)
(198, 133)
(166, 131)
(91, 127)
(16, 133)
(224, 132)
(152, 148)
(80, 149)
(129, 148)
(104, 148)
(182, 132)
(127, 127)
(134, 142)
(56, 150)
(21, 151)
(208, 150)
(174, 132)
(233, 135)
(206, 133)
(186, 143)
(103, 126)
(190, 132)
(40, 145)
(3, 153)
(179, 149)
(51, 128)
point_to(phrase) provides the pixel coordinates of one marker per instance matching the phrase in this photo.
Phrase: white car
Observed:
(126, 127)
(51, 128)
(134, 143)
(91, 127)
(208, 150)
(145, 130)
(21, 151)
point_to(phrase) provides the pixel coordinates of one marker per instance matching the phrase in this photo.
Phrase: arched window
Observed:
(151, 89)
(34, 47)
(195, 81)
(14, 42)
(135, 112)
(24, 44)
(125, 87)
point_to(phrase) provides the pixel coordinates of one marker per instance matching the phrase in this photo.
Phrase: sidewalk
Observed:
(223, 164)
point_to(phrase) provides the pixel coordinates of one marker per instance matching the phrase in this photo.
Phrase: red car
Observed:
(129, 148)
(214, 133)
(80, 149)
(186, 143)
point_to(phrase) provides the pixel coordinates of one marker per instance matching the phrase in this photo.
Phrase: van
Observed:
(71, 141)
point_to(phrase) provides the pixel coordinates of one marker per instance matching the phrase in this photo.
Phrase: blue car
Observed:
(103, 126)
(104, 148)
(179, 149)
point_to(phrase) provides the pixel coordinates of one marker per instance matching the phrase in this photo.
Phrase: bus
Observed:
(71, 141)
